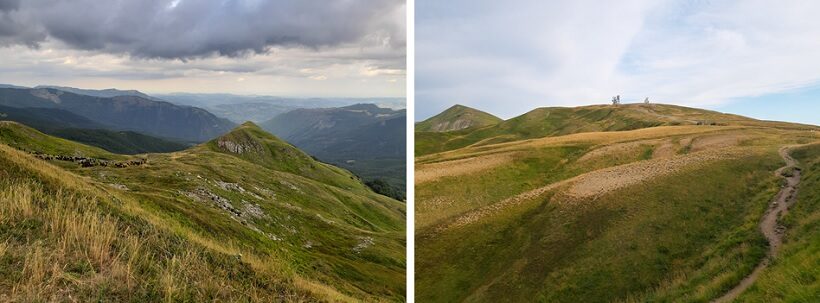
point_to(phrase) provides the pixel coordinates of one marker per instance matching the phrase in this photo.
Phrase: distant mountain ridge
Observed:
(241, 108)
(125, 112)
(255, 112)
(67, 125)
(364, 138)
(105, 93)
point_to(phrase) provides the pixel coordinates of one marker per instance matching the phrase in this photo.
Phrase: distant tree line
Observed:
(383, 188)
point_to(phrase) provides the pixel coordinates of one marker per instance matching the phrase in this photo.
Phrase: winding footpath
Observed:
(769, 226)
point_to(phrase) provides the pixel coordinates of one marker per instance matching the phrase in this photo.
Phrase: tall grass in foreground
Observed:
(58, 246)
(60, 240)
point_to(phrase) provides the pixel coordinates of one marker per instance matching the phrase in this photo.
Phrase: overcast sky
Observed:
(752, 57)
(309, 48)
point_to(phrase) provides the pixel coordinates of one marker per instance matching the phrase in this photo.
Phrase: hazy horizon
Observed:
(153, 93)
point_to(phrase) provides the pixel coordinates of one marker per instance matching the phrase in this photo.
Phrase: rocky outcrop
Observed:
(91, 162)
(237, 148)
(447, 126)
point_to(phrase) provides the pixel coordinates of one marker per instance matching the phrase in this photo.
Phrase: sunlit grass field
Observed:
(659, 214)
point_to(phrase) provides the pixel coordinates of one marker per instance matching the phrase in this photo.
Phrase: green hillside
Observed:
(573, 211)
(795, 274)
(455, 118)
(556, 121)
(67, 125)
(121, 142)
(252, 221)
(28, 139)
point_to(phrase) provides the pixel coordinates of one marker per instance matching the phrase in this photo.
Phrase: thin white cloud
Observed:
(510, 58)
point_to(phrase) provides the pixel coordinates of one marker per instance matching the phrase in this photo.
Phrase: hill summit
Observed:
(558, 121)
(457, 117)
(249, 142)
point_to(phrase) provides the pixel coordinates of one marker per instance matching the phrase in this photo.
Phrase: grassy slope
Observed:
(120, 142)
(69, 126)
(625, 245)
(322, 233)
(64, 239)
(556, 121)
(794, 276)
(28, 139)
(476, 118)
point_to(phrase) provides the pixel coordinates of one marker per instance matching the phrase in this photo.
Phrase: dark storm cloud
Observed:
(197, 28)
(8, 5)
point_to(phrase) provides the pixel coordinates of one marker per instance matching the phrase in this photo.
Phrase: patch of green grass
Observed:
(699, 235)
(28, 139)
(794, 276)
(463, 193)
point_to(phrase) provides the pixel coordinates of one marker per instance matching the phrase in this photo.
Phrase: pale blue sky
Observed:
(753, 58)
(798, 105)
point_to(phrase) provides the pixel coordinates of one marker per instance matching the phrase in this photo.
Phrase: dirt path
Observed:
(769, 226)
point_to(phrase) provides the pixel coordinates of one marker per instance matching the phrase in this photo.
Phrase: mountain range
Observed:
(104, 93)
(629, 203)
(364, 138)
(240, 108)
(124, 112)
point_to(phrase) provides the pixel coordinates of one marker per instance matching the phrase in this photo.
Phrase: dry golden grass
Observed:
(74, 232)
(665, 150)
(606, 180)
(632, 147)
(434, 171)
(602, 138)
(717, 141)
(600, 182)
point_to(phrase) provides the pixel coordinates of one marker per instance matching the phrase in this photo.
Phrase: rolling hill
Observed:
(133, 113)
(364, 138)
(555, 121)
(243, 217)
(457, 117)
(635, 203)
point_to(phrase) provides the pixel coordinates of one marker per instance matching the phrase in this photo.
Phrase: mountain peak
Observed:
(363, 106)
(457, 117)
(245, 138)
(249, 124)
(249, 142)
